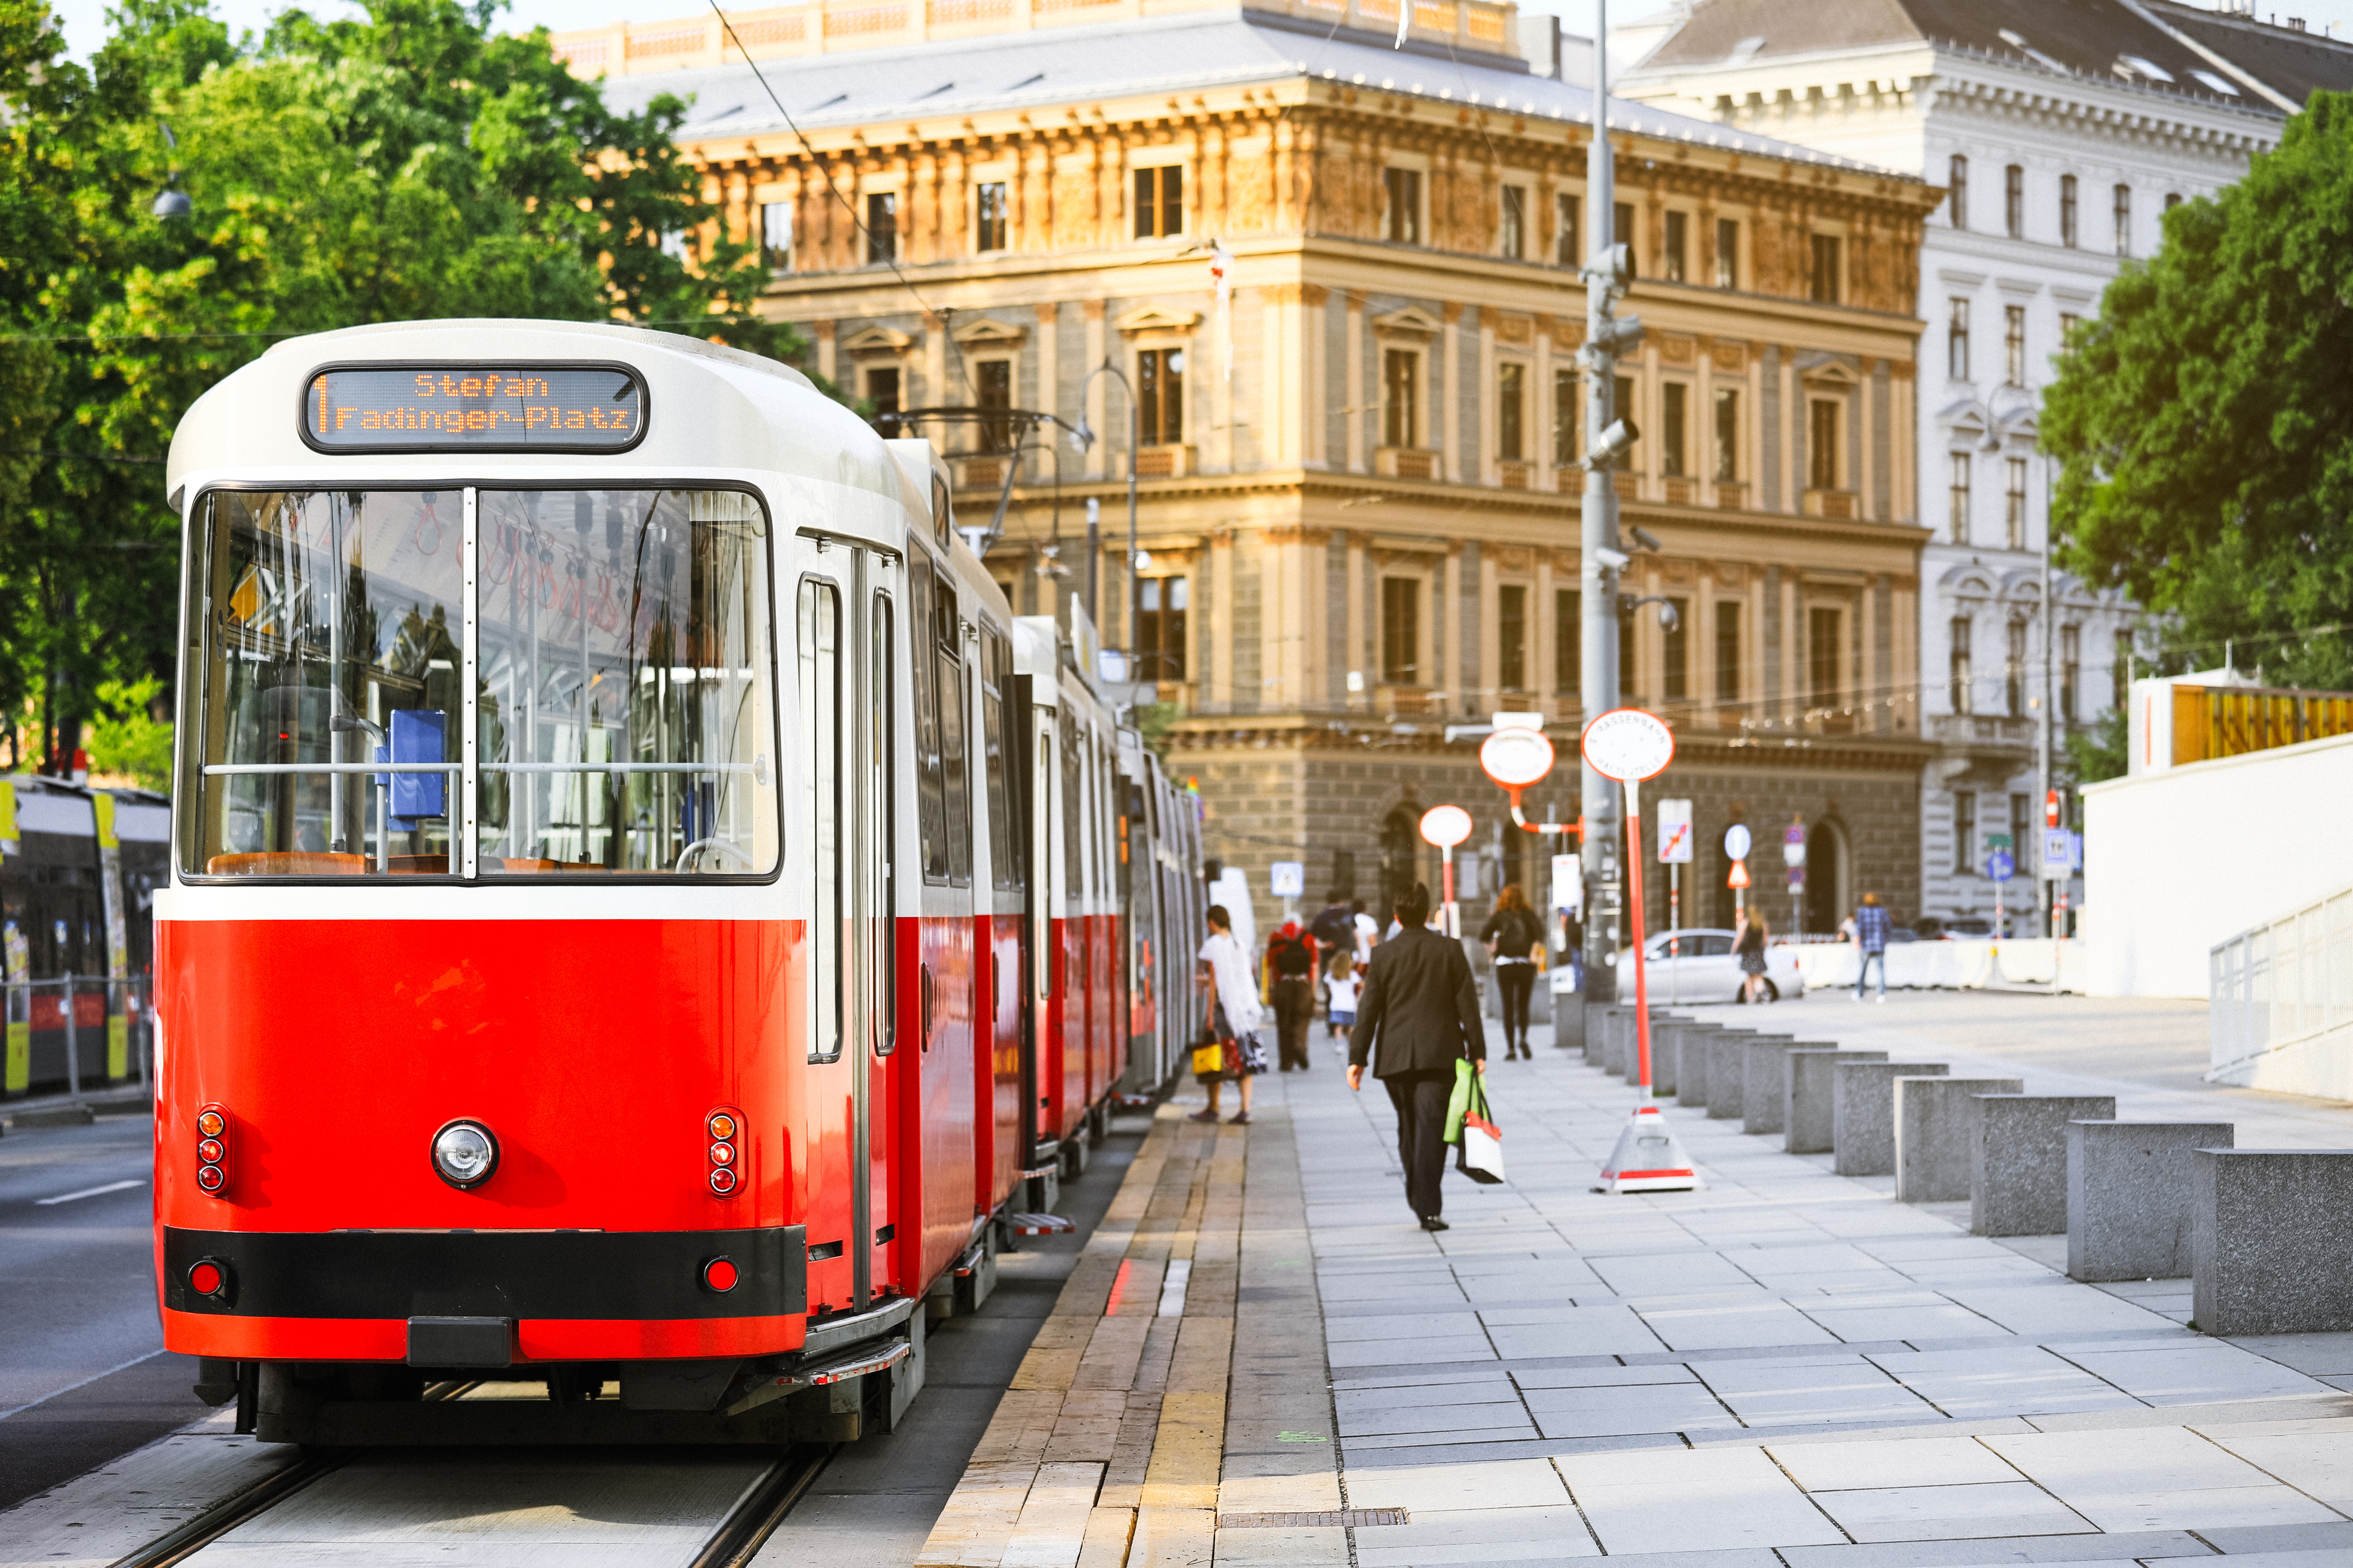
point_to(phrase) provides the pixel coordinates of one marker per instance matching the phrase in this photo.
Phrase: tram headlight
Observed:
(465, 1153)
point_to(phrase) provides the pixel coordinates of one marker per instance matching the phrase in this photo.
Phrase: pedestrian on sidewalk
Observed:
(1341, 985)
(1335, 927)
(1368, 933)
(1750, 950)
(1290, 984)
(1870, 924)
(1513, 938)
(1234, 1011)
(1420, 1013)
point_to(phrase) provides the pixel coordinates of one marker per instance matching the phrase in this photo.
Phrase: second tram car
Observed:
(644, 916)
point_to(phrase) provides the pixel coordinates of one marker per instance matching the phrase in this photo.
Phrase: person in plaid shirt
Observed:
(1870, 935)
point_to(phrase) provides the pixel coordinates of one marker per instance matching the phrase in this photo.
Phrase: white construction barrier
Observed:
(1965, 963)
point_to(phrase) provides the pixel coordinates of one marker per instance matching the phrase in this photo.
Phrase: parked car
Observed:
(1705, 969)
(1902, 933)
(1968, 925)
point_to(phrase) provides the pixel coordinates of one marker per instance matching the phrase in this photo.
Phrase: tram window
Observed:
(624, 692)
(931, 793)
(1073, 804)
(881, 819)
(955, 766)
(819, 662)
(1004, 848)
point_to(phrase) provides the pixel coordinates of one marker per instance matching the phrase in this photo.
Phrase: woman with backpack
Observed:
(1514, 936)
(1291, 982)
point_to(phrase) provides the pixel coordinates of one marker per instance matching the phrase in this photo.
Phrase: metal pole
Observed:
(73, 1044)
(1598, 630)
(2042, 734)
(1641, 971)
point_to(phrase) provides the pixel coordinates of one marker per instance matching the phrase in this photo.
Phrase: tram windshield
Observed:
(624, 716)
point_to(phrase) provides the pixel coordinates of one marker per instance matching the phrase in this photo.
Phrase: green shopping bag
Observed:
(1458, 1105)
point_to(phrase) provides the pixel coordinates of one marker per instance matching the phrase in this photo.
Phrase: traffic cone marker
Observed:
(1649, 1158)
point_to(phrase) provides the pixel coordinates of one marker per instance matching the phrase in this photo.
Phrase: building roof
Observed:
(1187, 51)
(2122, 41)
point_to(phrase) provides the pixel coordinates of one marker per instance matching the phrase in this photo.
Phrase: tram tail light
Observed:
(212, 1154)
(719, 1275)
(725, 1128)
(209, 1277)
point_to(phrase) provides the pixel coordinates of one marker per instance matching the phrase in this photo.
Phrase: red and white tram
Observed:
(643, 911)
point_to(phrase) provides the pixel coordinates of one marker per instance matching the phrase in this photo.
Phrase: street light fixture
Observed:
(1083, 436)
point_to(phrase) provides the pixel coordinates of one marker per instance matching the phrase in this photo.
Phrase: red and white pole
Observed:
(1641, 974)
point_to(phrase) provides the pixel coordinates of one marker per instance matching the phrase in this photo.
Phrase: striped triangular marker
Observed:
(1649, 1158)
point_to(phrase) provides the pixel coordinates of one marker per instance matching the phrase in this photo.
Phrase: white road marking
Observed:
(90, 1193)
(85, 1382)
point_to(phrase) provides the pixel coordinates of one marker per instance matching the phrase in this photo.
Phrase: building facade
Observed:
(2061, 134)
(1334, 280)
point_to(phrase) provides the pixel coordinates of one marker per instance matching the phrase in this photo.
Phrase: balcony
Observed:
(1515, 476)
(1628, 484)
(1838, 505)
(1164, 462)
(1981, 730)
(1409, 701)
(1731, 495)
(982, 473)
(1404, 463)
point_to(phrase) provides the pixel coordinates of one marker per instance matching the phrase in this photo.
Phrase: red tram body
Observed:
(643, 911)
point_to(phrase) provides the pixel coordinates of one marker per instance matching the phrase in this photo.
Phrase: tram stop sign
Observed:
(1628, 746)
(1516, 758)
(1445, 826)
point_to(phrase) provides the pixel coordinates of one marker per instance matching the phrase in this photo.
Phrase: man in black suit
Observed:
(1421, 1006)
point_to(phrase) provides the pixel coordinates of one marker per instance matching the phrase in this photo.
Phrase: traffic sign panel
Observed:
(1735, 842)
(2000, 865)
(1288, 879)
(2057, 853)
(1627, 743)
(1516, 758)
(1739, 878)
(1674, 832)
(1445, 826)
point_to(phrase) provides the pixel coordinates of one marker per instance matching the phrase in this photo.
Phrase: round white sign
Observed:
(1445, 826)
(1627, 743)
(1516, 758)
(1735, 842)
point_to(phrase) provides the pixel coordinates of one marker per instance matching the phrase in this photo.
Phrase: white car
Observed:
(1702, 968)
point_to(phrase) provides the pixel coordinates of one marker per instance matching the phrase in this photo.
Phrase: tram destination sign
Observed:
(458, 407)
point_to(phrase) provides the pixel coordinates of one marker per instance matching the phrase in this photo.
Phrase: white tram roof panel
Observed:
(708, 407)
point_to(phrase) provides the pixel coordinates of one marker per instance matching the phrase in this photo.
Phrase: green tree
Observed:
(2205, 419)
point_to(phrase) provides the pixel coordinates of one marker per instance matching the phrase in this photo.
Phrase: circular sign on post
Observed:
(1515, 759)
(1735, 842)
(1445, 826)
(1627, 743)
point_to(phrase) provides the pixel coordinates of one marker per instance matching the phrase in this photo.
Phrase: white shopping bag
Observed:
(1480, 1155)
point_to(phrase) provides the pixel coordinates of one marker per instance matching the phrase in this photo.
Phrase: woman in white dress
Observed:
(1234, 1010)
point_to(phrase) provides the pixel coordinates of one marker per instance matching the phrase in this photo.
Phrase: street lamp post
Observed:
(1086, 437)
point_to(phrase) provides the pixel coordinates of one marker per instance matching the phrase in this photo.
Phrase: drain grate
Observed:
(1345, 1517)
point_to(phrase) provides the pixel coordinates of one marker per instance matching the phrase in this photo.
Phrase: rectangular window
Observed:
(1623, 407)
(2067, 210)
(1568, 213)
(1511, 412)
(1727, 434)
(2172, 200)
(1622, 231)
(1960, 683)
(2120, 666)
(928, 764)
(1512, 637)
(2013, 344)
(1956, 342)
(988, 223)
(882, 226)
(2013, 669)
(1727, 253)
(882, 391)
(995, 676)
(1567, 643)
(1628, 643)
(1568, 388)
(1826, 269)
(332, 647)
(1822, 445)
(955, 762)
(2124, 220)
(992, 386)
(1401, 398)
(1513, 241)
(1678, 245)
(1404, 219)
(1160, 202)
(1727, 650)
(2018, 828)
(1400, 631)
(1675, 650)
(2071, 669)
(1965, 832)
(1160, 396)
(819, 647)
(2067, 323)
(1822, 656)
(1957, 183)
(776, 235)
(2014, 511)
(2013, 201)
(1160, 606)
(1957, 498)
(1673, 419)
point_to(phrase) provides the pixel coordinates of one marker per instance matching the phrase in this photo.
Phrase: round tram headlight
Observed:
(465, 1153)
(722, 1180)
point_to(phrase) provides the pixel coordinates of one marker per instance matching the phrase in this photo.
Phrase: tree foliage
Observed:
(2205, 419)
(409, 165)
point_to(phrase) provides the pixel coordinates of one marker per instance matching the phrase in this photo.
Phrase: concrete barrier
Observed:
(1863, 1114)
(1727, 1074)
(2018, 1160)
(1761, 1102)
(1690, 1046)
(2128, 1197)
(1663, 1054)
(1933, 1120)
(2271, 1240)
(1618, 1048)
(1806, 1097)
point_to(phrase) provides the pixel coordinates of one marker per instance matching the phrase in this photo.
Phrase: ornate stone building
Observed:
(1358, 503)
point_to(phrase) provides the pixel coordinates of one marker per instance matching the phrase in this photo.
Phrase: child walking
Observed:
(1341, 985)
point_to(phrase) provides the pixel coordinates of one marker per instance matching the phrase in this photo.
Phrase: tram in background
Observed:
(644, 916)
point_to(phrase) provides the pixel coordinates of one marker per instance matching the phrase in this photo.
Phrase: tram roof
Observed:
(708, 406)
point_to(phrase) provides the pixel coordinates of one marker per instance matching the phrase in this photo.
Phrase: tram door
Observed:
(846, 617)
(1045, 965)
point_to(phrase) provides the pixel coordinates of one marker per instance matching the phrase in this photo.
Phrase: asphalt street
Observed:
(83, 1375)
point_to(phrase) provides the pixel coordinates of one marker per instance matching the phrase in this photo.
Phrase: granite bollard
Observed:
(2018, 1160)
(1761, 1107)
(1806, 1100)
(1691, 1060)
(1863, 1114)
(2271, 1240)
(2128, 1197)
(1933, 1118)
(1727, 1073)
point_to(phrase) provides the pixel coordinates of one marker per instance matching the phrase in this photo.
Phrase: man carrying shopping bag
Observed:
(1421, 1013)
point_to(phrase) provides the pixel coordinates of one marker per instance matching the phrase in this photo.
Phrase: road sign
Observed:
(1796, 878)
(1674, 832)
(1288, 879)
(1739, 878)
(1999, 867)
(1445, 826)
(1516, 758)
(2057, 851)
(1735, 842)
(1627, 743)
(1997, 840)
(1793, 848)
(2051, 808)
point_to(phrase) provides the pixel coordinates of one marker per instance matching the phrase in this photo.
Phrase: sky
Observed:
(85, 20)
